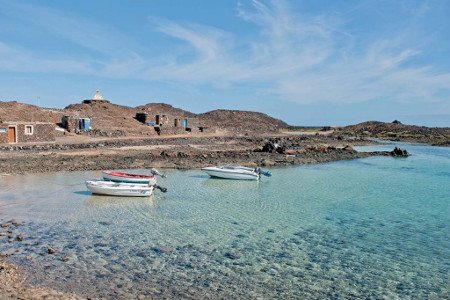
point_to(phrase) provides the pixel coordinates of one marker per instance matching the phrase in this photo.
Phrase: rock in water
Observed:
(399, 152)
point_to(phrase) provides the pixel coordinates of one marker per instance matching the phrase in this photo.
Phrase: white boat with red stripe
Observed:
(118, 176)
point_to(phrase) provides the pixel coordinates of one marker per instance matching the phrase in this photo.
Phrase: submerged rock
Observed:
(14, 222)
(232, 255)
(105, 223)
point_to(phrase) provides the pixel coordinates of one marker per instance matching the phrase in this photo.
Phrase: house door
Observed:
(11, 134)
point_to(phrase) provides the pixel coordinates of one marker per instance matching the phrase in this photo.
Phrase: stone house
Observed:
(76, 124)
(168, 125)
(26, 132)
(165, 124)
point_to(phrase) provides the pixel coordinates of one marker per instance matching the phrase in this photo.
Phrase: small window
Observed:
(29, 129)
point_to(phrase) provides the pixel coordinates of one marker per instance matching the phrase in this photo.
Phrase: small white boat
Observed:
(235, 172)
(111, 188)
(131, 178)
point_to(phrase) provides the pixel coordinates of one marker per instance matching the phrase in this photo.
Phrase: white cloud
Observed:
(298, 57)
(85, 32)
(304, 59)
(205, 40)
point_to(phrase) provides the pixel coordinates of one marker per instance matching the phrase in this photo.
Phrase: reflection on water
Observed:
(372, 228)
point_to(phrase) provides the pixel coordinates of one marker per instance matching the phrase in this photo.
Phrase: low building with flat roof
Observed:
(26, 132)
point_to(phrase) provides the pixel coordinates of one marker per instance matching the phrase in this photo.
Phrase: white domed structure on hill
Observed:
(97, 98)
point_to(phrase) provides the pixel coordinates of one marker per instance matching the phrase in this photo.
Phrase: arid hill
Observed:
(19, 112)
(163, 109)
(109, 117)
(241, 121)
(401, 132)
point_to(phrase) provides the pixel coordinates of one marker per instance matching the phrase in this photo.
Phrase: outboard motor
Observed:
(156, 172)
(265, 173)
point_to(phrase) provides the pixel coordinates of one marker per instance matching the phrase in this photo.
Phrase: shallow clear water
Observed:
(374, 228)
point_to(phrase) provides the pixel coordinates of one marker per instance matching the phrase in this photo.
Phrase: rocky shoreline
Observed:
(398, 132)
(177, 153)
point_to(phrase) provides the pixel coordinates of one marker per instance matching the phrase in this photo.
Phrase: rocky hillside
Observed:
(20, 112)
(400, 132)
(109, 118)
(163, 109)
(120, 120)
(241, 121)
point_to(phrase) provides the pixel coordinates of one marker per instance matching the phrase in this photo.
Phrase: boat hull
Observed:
(129, 178)
(119, 189)
(231, 174)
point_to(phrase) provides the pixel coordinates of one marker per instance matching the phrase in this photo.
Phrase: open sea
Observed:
(368, 228)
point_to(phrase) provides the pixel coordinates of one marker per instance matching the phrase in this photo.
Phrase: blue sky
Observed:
(306, 62)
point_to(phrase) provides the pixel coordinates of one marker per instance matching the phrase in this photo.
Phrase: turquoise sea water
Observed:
(369, 228)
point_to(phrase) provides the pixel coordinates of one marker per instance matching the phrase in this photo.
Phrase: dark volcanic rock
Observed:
(349, 148)
(399, 152)
(270, 147)
(399, 132)
(273, 147)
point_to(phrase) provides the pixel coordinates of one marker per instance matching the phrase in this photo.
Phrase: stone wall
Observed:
(192, 122)
(167, 121)
(171, 130)
(40, 132)
(3, 133)
(70, 123)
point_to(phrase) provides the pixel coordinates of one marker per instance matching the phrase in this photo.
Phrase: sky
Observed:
(320, 62)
